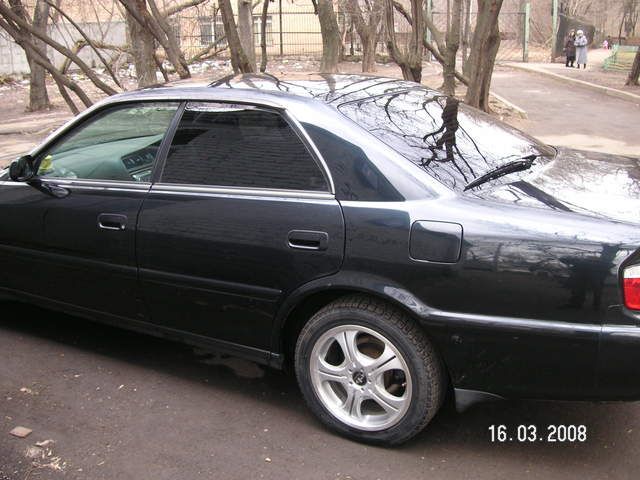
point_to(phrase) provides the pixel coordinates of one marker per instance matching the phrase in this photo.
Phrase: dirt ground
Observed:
(109, 404)
(119, 405)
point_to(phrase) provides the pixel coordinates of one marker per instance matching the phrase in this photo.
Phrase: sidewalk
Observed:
(594, 77)
(568, 114)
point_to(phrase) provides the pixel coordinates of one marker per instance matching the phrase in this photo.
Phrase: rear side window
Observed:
(240, 146)
(354, 175)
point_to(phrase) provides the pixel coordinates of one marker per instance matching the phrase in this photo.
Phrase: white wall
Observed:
(13, 61)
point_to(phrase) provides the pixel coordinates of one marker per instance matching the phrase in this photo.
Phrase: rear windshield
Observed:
(451, 141)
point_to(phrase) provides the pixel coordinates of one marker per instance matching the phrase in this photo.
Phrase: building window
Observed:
(257, 28)
(212, 30)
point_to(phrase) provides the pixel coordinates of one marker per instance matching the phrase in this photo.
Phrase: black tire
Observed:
(425, 366)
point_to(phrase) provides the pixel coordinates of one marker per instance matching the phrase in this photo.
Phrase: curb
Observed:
(522, 113)
(612, 92)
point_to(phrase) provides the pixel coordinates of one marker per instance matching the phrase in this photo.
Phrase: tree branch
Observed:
(8, 14)
(88, 41)
(178, 7)
(403, 11)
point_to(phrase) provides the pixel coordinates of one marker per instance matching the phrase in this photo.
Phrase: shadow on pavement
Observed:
(611, 427)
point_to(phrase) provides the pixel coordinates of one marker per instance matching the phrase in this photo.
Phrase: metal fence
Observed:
(512, 34)
(294, 30)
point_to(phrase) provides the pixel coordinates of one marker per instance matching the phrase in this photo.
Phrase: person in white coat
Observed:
(581, 43)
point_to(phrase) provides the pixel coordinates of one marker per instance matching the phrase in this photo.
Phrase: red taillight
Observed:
(631, 279)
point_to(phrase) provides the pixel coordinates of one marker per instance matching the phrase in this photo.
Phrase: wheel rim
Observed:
(360, 377)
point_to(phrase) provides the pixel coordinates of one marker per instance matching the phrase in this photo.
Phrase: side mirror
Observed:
(22, 169)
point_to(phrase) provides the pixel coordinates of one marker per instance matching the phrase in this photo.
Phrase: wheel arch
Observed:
(304, 302)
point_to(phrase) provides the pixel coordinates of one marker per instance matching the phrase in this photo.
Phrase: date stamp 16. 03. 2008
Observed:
(535, 434)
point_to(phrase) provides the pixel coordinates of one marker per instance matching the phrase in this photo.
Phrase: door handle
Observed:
(110, 221)
(308, 240)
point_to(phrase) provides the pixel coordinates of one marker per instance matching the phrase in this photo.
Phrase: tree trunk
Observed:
(167, 39)
(465, 36)
(410, 61)
(369, 52)
(367, 30)
(245, 30)
(143, 52)
(263, 35)
(38, 97)
(634, 74)
(159, 28)
(239, 60)
(451, 50)
(330, 37)
(484, 48)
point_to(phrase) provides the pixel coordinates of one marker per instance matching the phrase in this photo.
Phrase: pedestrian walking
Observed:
(570, 48)
(581, 48)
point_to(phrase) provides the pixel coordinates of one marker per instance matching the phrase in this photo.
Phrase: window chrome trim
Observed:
(96, 184)
(188, 189)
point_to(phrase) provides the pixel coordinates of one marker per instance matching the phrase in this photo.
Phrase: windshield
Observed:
(451, 141)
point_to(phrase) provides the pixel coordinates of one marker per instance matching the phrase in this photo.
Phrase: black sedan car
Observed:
(387, 242)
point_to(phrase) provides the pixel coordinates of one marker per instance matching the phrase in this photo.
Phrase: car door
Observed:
(242, 214)
(79, 248)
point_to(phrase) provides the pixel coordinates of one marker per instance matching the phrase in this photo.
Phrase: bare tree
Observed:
(484, 48)
(630, 15)
(331, 41)
(239, 59)
(245, 30)
(86, 41)
(7, 13)
(465, 34)
(634, 74)
(22, 37)
(143, 47)
(38, 97)
(367, 21)
(263, 35)
(408, 59)
(578, 8)
(154, 23)
(450, 50)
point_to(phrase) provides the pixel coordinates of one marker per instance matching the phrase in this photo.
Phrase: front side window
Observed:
(119, 143)
(240, 146)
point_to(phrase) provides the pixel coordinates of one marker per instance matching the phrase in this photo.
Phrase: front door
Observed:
(241, 215)
(80, 249)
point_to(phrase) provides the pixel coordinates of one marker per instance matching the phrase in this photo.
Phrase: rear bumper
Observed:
(618, 374)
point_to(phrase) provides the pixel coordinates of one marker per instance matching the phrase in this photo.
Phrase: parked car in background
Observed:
(387, 242)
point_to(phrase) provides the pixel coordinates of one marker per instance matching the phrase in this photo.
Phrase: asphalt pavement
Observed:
(121, 405)
(569, 115)
(105, 403)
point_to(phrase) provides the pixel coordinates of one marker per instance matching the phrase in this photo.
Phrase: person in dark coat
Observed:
(570, 48)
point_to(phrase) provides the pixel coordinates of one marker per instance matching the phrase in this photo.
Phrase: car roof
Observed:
(329, 89)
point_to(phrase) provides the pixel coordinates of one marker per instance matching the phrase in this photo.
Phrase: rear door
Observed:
(242, 214)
